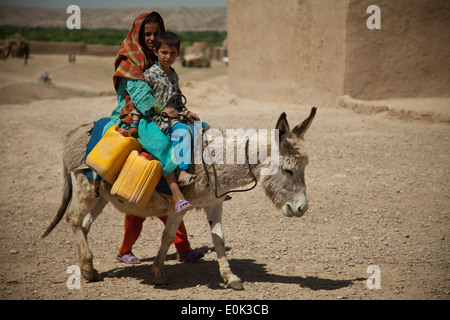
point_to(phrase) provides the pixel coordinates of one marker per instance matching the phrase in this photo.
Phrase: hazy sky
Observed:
(114, 3)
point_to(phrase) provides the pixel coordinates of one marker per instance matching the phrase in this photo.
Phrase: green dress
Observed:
(149, 135)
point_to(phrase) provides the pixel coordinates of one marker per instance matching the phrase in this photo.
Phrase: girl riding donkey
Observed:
(136, 100)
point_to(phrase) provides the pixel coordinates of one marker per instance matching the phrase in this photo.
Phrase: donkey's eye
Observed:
(289, 172)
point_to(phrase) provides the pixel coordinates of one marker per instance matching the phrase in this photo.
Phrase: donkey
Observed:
(286, 188)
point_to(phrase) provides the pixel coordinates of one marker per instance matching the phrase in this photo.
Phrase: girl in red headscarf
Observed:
(136, 101)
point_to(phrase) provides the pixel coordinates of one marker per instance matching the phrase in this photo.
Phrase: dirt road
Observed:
(378, 189)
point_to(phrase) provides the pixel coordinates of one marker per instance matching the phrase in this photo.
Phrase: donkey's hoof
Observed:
(237, 285)
(92, 276)
(96, 276)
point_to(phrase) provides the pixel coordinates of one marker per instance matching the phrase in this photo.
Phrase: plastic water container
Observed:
(138, 179)
(110, 154)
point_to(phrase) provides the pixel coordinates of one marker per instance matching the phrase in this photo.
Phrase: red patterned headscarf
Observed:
(133, 59)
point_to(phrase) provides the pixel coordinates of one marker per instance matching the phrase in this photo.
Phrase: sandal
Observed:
(192, 255)
(129, 258)
(187, 180)
(182, 206)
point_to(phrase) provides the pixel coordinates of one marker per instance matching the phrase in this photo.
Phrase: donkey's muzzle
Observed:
(296, 208)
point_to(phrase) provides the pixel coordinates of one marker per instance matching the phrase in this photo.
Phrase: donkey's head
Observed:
(287, 187)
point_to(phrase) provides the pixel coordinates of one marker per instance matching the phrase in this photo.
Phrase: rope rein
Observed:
(215, 173)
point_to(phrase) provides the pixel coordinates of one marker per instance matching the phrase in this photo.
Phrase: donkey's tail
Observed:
(67, 197)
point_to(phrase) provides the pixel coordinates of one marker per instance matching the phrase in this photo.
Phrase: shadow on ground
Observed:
(203, 272)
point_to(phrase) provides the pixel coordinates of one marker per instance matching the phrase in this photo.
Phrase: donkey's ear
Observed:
(282, 125)
(300, 130)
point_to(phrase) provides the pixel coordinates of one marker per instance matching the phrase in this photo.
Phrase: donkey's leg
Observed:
(173, 222)
(91, 216)
(214, 215)
(88, 206)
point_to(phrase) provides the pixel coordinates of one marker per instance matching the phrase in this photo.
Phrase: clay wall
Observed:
(314, 51)
(79, 48)
(408, 57)
(285, 50)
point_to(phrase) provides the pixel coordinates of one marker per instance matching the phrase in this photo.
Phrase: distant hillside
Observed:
(176, 18)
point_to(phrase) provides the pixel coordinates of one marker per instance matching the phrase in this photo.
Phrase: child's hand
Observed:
(171, 113)
(192, 116)
(133, 132)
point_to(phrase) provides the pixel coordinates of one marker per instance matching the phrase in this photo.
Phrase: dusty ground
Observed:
(378, 188)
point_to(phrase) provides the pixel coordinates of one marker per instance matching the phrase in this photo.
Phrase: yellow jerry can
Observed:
(110, 154)
(138, 179)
